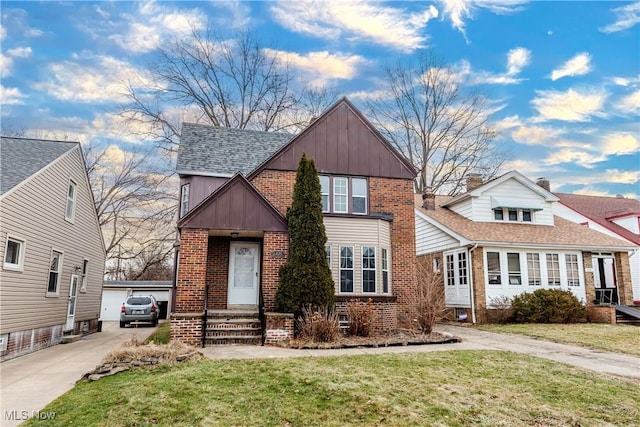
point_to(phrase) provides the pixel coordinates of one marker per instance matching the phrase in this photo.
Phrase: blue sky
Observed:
(563, 77)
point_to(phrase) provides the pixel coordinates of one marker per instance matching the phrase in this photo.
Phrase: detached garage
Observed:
(115, 292)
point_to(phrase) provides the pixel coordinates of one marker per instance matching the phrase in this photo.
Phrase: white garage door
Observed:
(112, 300)
(160, 295)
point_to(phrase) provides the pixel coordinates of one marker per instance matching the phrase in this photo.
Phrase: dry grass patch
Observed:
(615, 338)
(173, 352)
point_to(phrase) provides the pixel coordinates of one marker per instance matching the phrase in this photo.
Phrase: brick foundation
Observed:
(601, 314)
(279, 327)
(187, 328)
(385, 311)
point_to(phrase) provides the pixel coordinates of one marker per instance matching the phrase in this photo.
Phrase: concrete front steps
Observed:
(226, 327)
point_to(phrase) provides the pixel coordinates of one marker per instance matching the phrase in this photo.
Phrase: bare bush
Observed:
(360, 318)
(500, 310)
(318, 325)
(429, 299)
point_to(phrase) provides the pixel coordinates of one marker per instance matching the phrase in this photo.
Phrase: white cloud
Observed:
(506, 123)
(517, 59)
(155, 24)
(630, 103)
(576, 66)
(626, 17)
(582, 158)
(20, 52)
(99, 81)
(572, 106)
(10, 95)
(460, 10)
(626, 81)
(535, 135)
(6, 63)
(356, 20)
(240, 14)
(320, 67)
(621, 143)
(3, 32)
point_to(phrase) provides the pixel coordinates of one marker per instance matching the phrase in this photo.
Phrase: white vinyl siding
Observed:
(430, 239)
(23, 301)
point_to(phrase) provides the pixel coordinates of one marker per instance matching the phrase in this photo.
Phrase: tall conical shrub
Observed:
(305, 279)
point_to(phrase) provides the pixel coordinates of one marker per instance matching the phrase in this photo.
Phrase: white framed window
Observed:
(325, 189)
(340, 192)
(327, 249)
(14, 253)
(493, 268)
(359, 195)
(450, 270)
(385, 271)
(513, 266)
(85, 271)
(368, 269)
(184, 200)
(463, 275)
(71, 201)
(553, 270)
(573, 272)
(55, 267)
(513, 215)
(533, 269)
(527, 214)
(346, 269)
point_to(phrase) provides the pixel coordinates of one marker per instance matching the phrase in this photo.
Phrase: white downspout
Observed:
(471, 295)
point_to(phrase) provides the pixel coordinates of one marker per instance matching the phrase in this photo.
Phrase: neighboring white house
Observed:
(614, 216)
(501, 238)
(51, 246)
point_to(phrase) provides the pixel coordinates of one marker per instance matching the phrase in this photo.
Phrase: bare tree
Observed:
(233, 83)
(441, 128)
(136, 205)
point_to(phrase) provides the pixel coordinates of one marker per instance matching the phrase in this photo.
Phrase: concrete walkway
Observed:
(28, 383)
(615, 364)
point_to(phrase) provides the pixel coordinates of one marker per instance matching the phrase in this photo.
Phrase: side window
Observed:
(184, 200)
(71, 202)
(85, 271)
(327, 249)
(385, 272)
(324, 190)
(368, 269)
(359, 195)
(346, 268)
(14, 253)
(493, 268)
(54, 272)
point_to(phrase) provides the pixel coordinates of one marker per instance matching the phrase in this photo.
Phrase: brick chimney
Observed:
(429, 199)
(544, 183)
(474, 180)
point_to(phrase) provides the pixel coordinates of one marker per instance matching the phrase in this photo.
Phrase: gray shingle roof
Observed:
(21, 157)
(224, 151)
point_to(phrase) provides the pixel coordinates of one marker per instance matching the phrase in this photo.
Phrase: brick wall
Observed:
(192, 271)
(187, 328)
(623, 278)
(589, 285)
(275, 247)
(218, 273)
(279, 327)
(601, 314)
(385, 311)
(395, 196)
(276, 187)
(479, 289)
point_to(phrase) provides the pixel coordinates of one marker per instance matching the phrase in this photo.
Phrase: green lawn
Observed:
(457, 388)
(162, 335)
(615, 338)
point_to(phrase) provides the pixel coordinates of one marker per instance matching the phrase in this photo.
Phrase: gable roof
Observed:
(342, 141)
(217, 151)
(563, 234)
(236, 205)
(603, 209)
(21, 158)
(476, 192)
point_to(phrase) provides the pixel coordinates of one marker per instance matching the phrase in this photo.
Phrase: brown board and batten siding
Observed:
(35, 211)
(200, 187)
(341, 142)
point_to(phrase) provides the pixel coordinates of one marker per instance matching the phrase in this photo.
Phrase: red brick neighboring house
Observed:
(236, 186)
(501, 238)
(614, 216)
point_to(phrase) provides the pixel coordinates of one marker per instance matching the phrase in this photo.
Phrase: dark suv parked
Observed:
(139, 308)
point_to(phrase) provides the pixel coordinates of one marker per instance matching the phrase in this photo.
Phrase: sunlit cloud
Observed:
(458, 11)
(576, 66)
(630, 103)
(621, 143)
(626, 17)
(6, 64)
(535, 135)
(582, 158)
(356, 20)
(517, 59)
(19, 52)
(10, 95)
(573, 105)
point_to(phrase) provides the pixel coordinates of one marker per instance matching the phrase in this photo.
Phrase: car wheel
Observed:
(122, 324)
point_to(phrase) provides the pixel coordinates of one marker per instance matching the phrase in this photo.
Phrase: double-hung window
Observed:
(368, 269)
(359, 195)
(553, 270)
(324, 190)
(513, 264)
(344, 195)
(346, 269)
(533, 269)
(54, 272)
(14, 253)
(385, 271)
(340, 190)
(493, 268)
(71, 201)
(184, 200)
(573, 274)
(327, 250)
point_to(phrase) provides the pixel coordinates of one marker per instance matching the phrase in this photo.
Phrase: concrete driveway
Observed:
(28, 383)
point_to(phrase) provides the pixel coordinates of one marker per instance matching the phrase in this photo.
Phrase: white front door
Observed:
(244, 273)
(71, 309)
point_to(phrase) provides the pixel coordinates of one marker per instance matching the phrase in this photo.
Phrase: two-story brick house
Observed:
(236, 186)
